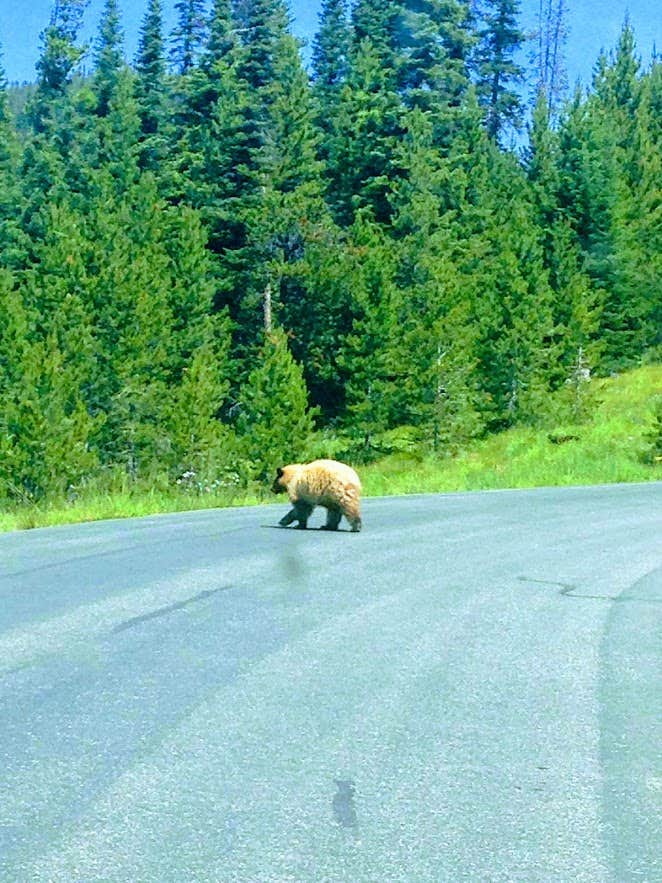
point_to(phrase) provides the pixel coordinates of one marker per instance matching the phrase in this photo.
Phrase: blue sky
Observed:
(592, 26)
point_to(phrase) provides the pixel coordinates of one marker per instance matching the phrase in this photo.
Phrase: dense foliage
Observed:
(208, 255)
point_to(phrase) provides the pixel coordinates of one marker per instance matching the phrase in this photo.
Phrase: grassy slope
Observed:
(609, 448)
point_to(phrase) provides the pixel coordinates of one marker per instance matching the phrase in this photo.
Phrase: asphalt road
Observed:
(468, 690)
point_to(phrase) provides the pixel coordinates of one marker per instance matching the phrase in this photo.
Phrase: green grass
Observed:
(125, 504)
(611, 447)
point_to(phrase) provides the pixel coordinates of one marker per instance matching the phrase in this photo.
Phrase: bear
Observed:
(327, 483)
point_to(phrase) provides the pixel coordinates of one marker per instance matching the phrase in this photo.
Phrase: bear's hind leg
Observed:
(333, 517)
(352, 513)
(355, 523)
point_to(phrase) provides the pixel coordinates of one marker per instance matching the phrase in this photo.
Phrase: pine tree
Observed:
(274, 422)
(290, 208)
(330, 63)
(360, 144)
(577, 305)
(200, 367)
(518, 349)
(45, 429)
(55, 285)
(58, 60)
(599, 166)
(222, 34)
(653, 453)
(217, 172)
(15, 328)
(263, 24)
(51, 162)
(253, 165)
(108, 58)
(189, 34)
(365, 356)
(215, 166)
(434, 39)
(218, 56)
(209, 87)
(377, 21)
(10, 251)
(203, 448)
(286, 159)
(151, 92)
(541, 157)
(434, 347)
(331, 51)
(616, 80)
(6, 128)
(576, 311)
(325, 317)
(114, 141)
(130, 296)
(365, 134)
(158, 345)
(499, 75)
(46, 350)
(195, 324)
(109, 142)
(638, 221)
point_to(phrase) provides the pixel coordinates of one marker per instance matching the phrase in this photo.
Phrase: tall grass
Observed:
(611, 447)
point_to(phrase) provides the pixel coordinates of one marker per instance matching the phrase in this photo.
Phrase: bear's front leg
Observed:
(299, 512)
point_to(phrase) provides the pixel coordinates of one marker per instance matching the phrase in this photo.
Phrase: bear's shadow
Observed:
(311, 529)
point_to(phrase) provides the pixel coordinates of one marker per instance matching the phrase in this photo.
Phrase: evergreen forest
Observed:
(215, 259)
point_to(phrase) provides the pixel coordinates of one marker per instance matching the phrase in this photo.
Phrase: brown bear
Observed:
(327, 483)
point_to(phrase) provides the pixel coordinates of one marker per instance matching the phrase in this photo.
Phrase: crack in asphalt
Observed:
(569, 590)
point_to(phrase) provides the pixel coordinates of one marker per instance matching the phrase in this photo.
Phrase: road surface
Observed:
(468, 690)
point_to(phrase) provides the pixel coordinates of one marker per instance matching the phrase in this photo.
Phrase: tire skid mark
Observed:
(165, 611)
(630, 707)
(87, 624)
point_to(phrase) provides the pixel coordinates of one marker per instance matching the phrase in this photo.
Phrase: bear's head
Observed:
(284, 476)
(278, 487)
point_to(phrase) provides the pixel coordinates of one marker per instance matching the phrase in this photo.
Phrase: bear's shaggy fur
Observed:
(327, 483)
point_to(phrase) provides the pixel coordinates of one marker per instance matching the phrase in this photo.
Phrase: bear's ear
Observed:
(279, 472)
